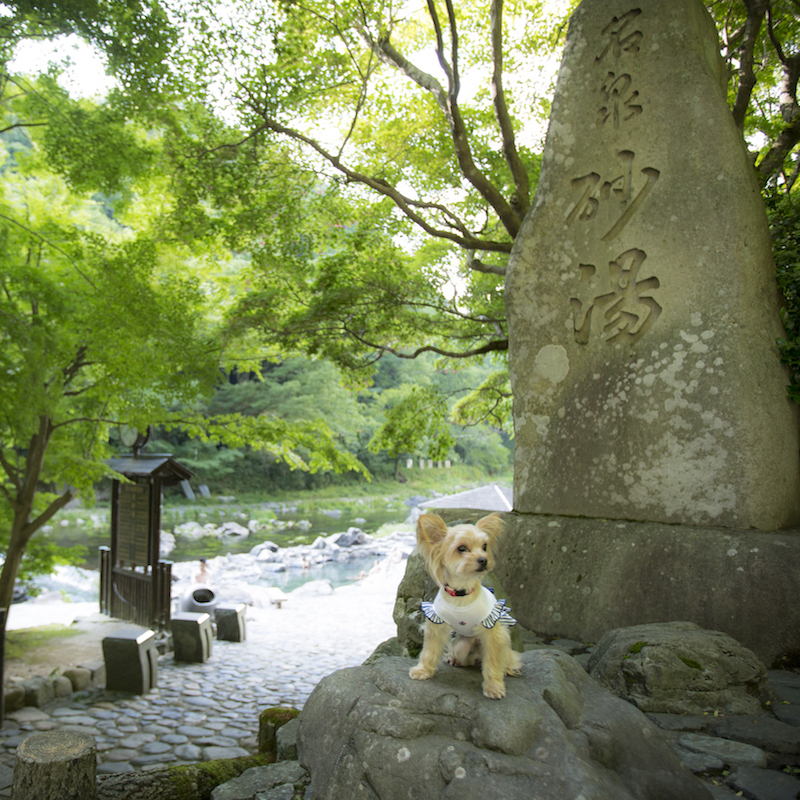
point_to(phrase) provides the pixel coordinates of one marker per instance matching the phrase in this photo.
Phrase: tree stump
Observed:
(56, 765)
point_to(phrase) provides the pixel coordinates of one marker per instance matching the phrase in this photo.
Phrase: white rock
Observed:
(233, 529)
(166, 544)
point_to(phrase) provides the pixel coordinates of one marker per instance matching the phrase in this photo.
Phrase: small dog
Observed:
(456, 558)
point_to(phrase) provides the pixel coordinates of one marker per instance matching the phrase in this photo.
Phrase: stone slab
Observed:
(641, 295)
(729, 752)
(764, 784)
(578, 578)
(762, 731)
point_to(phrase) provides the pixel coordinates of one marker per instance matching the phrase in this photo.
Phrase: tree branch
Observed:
(448, 102)
(11, 471)
(406, 204)
(479, 266)
(788, 86)
(756, 10)
(47, 514)
(521, 198)
(22, 125)
(781, 147)
(43, 240)
(495, 346)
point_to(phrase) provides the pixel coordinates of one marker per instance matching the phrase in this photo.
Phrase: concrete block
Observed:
(192, 636)
(230, 622)
(131, 660)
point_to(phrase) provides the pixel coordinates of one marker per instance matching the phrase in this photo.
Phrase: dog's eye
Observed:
(462, 548)
(485, 547)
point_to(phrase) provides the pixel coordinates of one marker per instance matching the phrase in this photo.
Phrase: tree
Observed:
(293, 393)
(373, 162)
(413, 161)
(759, 42)
(93, 334)
(105, 317)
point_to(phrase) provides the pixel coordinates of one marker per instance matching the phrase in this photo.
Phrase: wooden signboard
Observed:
(133, 524)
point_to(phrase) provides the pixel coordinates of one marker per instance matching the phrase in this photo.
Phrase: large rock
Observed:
(641, 294)
(679, 668)
(370, 732)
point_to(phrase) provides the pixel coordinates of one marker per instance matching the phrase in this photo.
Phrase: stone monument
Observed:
(643, 309)
(654, 438)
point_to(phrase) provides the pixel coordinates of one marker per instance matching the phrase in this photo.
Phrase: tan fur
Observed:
(458, 556)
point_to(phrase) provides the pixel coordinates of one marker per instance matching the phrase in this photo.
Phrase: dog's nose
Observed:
(482, 562)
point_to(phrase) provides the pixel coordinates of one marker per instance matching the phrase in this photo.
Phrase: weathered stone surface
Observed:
(691, 723)
(721, 792)
(680, 668)
(579, 578)
(97, 669)
(785, 686)
(764, 784)
(699, 762)
(287, 741)
(641, 294)
(371, 732)
(214, 753)
(261, 779)
(13, 697)
(730, 753)
(761, 731)
(62, 686)
(39, 692)
(80, 677)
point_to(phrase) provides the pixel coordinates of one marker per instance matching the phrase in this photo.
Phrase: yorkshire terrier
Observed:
(456, 558)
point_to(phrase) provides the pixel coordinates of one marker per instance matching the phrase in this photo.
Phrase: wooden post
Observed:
(56, 765)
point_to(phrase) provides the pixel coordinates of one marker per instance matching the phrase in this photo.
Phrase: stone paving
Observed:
(205, 711)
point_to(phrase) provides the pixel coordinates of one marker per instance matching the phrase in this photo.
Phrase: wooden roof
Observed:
(151, 465)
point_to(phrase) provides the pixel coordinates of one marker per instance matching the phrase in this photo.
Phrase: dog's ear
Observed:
(431, 529)
(493, 525)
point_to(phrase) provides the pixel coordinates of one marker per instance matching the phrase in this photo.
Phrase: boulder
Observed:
(233, 530)
(350, 537)
(371, 731)
(190, 530)
(39, 692)
(680, 668)
(261, 550)
(62, 686)
(261, 779)
(13, 697)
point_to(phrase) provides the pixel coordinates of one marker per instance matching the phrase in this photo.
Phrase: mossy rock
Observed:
(269, 721)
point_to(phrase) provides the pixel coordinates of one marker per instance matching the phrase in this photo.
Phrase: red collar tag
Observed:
(457, 592)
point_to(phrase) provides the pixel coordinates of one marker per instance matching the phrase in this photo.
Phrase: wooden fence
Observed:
(139, 597)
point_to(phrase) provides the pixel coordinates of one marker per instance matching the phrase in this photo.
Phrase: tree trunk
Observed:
(190, 782)
(55, 765)
(14, 553)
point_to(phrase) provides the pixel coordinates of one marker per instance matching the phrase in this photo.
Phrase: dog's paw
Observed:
(514, 665)
(420, 673)
(452, 661)
(494, 691)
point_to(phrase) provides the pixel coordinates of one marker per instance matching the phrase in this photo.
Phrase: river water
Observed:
(91, 530)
